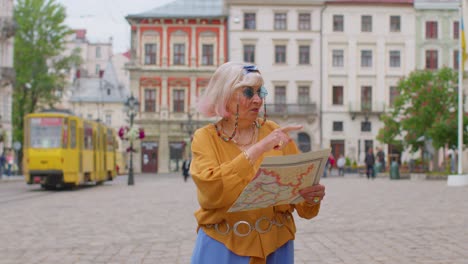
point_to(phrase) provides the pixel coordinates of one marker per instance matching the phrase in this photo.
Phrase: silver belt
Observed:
(252, 227)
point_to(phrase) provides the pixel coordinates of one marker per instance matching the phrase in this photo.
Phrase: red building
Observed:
(174, 51)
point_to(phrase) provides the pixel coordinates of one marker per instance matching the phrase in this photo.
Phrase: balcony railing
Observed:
(366, 109)
(7, 75)
(291, 109)
(7, 27)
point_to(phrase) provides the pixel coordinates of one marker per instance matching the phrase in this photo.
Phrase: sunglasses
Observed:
(249, 92)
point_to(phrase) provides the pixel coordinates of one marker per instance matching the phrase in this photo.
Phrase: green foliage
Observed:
(347, 162)
(39, 64)
(427, 106)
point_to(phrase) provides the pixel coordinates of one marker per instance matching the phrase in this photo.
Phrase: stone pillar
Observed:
(163, 148)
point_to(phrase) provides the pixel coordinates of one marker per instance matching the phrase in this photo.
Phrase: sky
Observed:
(104, 19)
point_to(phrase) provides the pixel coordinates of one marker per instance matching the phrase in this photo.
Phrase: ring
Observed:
(316, 199)
(280, 144)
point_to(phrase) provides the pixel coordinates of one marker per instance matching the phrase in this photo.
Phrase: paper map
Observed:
(280, 178)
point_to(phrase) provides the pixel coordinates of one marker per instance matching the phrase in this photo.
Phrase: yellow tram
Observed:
(61, 149)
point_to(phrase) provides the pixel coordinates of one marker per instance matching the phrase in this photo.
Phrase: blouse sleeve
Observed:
(219, 181)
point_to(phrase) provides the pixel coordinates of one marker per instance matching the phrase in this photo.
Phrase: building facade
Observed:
(7, 72)
(367, 48)
(174, 51)
(283, 39)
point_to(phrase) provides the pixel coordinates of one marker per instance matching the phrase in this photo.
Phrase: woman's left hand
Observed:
(313, 194)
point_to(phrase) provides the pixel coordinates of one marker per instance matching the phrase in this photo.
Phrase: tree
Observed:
(38, 58)
(426, 108)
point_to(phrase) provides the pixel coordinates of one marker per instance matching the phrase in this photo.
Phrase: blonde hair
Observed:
(225, 81)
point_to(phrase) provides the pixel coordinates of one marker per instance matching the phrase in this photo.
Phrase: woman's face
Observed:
(250, 100)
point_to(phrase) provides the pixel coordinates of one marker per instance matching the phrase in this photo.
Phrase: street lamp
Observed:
(188, 126)
(131, 108)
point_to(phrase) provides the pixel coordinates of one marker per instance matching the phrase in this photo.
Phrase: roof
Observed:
(185, 9)
(96, 89)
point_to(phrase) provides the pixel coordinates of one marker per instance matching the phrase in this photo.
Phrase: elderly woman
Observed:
(226, 156)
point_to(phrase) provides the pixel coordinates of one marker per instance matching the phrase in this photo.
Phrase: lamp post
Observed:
(131, 109)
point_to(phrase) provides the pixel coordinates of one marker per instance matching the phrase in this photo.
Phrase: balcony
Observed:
(7, 75)
(7, 28)
(287, 110)
(366, 109)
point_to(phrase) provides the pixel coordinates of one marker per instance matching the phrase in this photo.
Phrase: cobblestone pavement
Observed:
(361, 221)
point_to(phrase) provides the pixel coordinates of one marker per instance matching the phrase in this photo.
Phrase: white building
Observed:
(7, 72)
(283, 39)
(367, 48)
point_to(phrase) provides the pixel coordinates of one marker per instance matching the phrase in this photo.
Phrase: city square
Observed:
(361, 221)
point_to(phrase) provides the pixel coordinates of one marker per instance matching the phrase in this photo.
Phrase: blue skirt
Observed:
(210, 251)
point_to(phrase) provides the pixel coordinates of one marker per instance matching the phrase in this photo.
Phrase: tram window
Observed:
(46, 132)
(73, 134)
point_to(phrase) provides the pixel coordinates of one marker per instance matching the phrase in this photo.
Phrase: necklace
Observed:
(253, 138)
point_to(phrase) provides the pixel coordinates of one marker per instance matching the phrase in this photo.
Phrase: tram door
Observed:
(149, 157)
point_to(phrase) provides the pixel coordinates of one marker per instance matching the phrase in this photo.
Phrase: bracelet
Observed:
(248, 157)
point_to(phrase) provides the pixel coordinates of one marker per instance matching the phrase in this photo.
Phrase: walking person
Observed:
(370, 162)
(340, 164)
(381, 158)
(9, 160)
(2, 164)
(186, 169)
(226, 156)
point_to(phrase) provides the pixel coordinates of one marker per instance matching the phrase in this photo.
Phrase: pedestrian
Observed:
(186, 169)
(381, 158)
(9, 161)
(331, 163)
(370, 162)
(340, 164)
(225, 157)
(2, 163)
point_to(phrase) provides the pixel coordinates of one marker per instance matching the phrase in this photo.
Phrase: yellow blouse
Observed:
(221, 171)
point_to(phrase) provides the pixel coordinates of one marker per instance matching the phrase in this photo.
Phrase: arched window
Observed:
(304, 142)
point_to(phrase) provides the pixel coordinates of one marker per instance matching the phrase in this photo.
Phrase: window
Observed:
(303, 142)
(366, 98)
(431, 29)
(337, 95)
(366, 58)
(179, 54)
(338, 58)
(280, 22)
(98, 52)
(150, 54)
(395, 23)
(150, 100)
(303, 95)
(72, 134)
(366, 126)
(455, 59)
(249, 21)
(456, 30)
(179, 100)
(304, 22)
(280, 54)
(337, 125)
(366, 23)
(394, 93)
(431, 59)
(249, 53)
(304, 54)
(395, 58)
(280, 99)
(207, 54)
(108, 119)
(338, 23)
